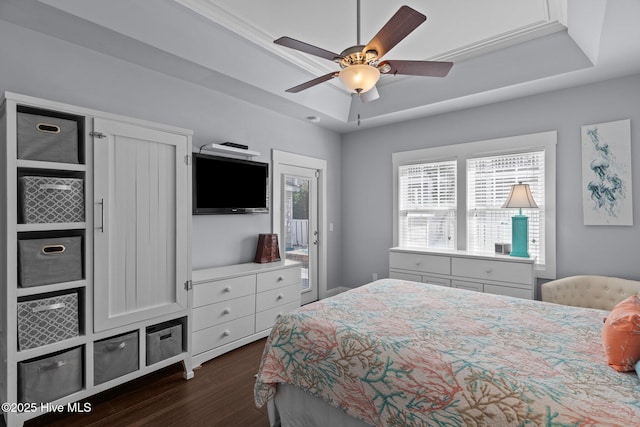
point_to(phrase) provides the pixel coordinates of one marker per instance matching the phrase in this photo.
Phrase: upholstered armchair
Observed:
(589, 291)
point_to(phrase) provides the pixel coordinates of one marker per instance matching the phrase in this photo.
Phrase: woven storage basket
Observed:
(51, 200)
(47, 320)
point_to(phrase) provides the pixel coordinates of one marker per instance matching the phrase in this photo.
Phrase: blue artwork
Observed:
(606, 174)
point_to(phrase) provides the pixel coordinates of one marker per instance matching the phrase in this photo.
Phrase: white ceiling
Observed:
(455, 29)
(501, 49)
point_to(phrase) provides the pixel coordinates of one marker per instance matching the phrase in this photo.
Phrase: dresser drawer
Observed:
(436, 280)
(266, 319)
(226, 311)
(509, 291)
(502, 271)
(277, 297)
(405, 276)
(278, 279)
(470, 286)
(420, 262)
(209, 338)
(222, 290)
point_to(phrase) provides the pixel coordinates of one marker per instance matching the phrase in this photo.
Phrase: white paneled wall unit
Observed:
(135, 255)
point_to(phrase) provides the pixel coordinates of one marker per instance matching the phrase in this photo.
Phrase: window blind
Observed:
(489, 181)
(427, 205)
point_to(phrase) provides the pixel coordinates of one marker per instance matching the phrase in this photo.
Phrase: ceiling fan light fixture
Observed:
(359, 78)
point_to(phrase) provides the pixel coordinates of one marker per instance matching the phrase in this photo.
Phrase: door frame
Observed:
(282, 158)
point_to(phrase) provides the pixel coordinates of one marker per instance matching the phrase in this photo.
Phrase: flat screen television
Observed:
(223, 185)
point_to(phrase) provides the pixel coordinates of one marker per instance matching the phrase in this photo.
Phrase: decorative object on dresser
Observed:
(75, 316)
(494, 274)
(268, 249)
(520, 197)
(236, 304)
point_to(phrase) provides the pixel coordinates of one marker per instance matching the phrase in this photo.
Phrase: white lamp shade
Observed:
(359, 78)
(520, 197)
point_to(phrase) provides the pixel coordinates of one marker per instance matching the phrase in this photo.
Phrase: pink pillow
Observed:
(621, 335)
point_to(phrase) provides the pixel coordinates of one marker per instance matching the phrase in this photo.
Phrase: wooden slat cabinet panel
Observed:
(141, 189)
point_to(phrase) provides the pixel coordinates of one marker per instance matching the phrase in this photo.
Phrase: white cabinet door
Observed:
(142, 213)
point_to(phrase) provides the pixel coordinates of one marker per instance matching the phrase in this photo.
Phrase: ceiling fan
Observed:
(361, 65)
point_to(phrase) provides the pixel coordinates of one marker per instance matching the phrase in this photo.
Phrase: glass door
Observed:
(300, 227)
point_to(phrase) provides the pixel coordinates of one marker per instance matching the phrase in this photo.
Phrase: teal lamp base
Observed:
(519, 236)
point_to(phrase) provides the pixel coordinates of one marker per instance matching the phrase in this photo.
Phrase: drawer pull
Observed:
(280, 296)
(60, 187)
(53, 249)
(115, 346)
(279, 315)
(488, 270)
(280, 279)
(166, 336)
(48, 307)
(47, 128)
(226, 333)
(418, 264)
(227, 289)
(227, 311)
(55, 365)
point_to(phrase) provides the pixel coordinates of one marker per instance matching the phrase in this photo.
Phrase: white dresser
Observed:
(237, 304)
(495, 274)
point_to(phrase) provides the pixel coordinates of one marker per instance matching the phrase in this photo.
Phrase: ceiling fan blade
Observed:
(313, 82)
(307, 48)
(370, 95)
(397, 28)
(417, 68)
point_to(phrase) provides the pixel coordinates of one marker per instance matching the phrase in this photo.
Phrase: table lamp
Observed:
(520, 197)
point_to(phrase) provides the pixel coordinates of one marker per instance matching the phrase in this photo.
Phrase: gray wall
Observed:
(366, 175)
(38, 65)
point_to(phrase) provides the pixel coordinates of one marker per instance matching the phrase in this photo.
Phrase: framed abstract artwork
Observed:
(606, 173)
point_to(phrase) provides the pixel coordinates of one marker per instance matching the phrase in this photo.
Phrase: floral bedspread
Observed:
(399, 353)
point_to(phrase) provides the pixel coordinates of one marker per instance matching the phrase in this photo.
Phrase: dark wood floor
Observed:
(220, 395)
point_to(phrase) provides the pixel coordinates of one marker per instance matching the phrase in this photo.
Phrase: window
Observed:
(428, 205)
(451, 197)
(489, 181)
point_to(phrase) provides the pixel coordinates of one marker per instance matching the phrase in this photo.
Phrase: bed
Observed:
(400, 353)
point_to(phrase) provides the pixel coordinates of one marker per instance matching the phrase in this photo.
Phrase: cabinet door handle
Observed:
(101, 203)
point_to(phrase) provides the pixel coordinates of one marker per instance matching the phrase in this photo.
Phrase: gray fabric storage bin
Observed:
(50, 378)
(51, 199)
(46, 261)
(163, 341)
(47, 320)
(115, 357)
(47, 138)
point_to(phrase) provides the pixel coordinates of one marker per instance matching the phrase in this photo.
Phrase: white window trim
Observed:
(461, 152)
